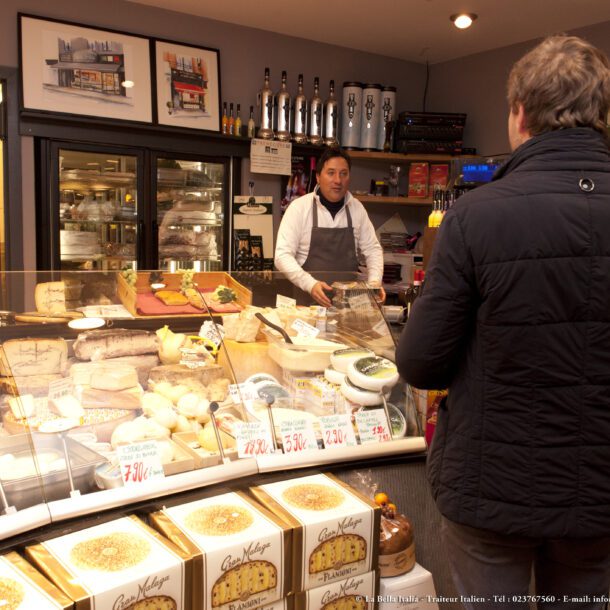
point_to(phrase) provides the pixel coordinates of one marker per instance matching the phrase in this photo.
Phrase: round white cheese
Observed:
(334, 376)
(342, 358)
(360, 396)
(373, 373)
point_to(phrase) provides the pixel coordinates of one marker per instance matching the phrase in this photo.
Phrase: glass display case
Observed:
(183, 362)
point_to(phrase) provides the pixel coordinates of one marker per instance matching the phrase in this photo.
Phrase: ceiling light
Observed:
(463, 20)
(128, 84)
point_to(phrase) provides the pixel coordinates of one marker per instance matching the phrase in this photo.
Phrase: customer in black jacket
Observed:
(515, 320)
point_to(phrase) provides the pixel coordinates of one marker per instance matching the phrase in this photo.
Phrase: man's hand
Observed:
(318, 294)
(380, 296)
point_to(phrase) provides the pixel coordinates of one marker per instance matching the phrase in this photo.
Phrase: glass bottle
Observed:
(300, 114)
(331, 117)
(231, 120)
(237, 128)
(282, 102)
(315, 115)
(251, 125)
(312, 180)
(265, 130)
(225, 119)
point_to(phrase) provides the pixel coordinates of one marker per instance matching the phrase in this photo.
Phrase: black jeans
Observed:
(494, 570)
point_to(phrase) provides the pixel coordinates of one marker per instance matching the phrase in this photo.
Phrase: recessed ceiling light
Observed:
(128, 84)
(463, 20)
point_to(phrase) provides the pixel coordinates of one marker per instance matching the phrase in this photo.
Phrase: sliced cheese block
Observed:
(24, 357)
(92, 398)
(22, 406)
(81, 371)
(50, 297)
(37, 385)
(334, 376)
(67, 406)
(360, 396)
(114, 377)
(373, 373)
(342, 358)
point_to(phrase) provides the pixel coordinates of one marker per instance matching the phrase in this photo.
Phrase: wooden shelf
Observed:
(427, 201)
(398, 157)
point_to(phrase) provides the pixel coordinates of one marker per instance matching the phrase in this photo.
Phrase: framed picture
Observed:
(187, 85)
(74, 69)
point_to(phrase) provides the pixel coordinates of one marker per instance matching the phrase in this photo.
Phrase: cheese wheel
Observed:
(334, 376)
(373, 373)
(342, 358)
(360, 396)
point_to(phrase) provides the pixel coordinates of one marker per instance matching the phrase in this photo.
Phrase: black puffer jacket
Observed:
(515, 320)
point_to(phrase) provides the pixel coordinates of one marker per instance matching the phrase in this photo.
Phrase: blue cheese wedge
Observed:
(342, 358)
(373, 373)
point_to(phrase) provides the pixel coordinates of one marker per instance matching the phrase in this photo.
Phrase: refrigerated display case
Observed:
(107, 208)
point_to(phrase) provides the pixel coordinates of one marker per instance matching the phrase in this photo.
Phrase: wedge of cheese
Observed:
(67, 406)
(114, 377)
(50, 297)
(92, 398)
(22, 406)
(25, 357)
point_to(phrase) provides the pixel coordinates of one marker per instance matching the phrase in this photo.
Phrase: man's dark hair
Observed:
(329, 153)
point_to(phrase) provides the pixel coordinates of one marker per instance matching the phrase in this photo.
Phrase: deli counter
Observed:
(118, 387)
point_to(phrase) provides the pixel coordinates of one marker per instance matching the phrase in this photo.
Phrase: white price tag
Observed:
(140, 462)
(319, 310)
(214, 332)
(282, 301)
(298, 435)
(60, 387)
(253, 438)
(381, 328)
(337, 430)
(304, 329)
(373, 426)
(360, 301)
(242, 392)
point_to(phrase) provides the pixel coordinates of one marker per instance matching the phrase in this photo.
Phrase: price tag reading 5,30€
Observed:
(337, 431)
(298, 435)
(253, 438)
(373, 426)
(140, 462)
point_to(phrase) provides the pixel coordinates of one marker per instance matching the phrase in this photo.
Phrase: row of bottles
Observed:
(232, 125)
(442, 200)
(316, 122)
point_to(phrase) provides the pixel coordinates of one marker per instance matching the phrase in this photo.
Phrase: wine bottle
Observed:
(265, 130)
(282, 103)
(312, 181)
(331, 117)
(315, 115)
(225, 119)
(231, 120)
(238, 121)
(300, 114)
(251, 125)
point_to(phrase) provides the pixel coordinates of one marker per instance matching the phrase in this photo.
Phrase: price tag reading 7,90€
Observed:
(140, 462)
(253, 438)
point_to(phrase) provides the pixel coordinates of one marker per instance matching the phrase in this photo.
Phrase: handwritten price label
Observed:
(282, 301)
(373, 426)
(242, 392)
(360, 301)
(298, 435)
(140, 462)
(60, 387)
(337, 431)
(304, 329)
(253, 438)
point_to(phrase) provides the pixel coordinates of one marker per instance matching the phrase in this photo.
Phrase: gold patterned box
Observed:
(336, 531)
(24, 587)
(242, 550)
(355, 593)
(119, 565)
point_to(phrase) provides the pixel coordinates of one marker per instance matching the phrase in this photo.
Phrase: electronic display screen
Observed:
(479, 172)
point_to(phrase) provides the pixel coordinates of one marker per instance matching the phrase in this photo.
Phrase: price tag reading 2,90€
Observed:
(337, 431)
(140, 462)
(298, 435)
(253, 438)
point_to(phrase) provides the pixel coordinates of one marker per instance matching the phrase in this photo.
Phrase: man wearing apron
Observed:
(322, 232)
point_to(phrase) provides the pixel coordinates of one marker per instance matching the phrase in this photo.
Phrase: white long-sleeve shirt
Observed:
(294, 237)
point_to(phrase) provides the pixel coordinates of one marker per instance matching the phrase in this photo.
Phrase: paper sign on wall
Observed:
(270, 157)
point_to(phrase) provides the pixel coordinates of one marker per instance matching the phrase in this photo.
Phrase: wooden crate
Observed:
(204, 280)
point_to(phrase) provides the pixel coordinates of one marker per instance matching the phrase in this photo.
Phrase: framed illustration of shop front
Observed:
(80, 70)
(187, 85)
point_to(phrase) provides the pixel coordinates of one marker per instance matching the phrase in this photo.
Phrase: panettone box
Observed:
(336, 529)
(355, 593)
(24, 587)
(242, 550)
(119, 565)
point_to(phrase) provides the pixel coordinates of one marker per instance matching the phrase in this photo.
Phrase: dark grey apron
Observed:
(332, 250)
